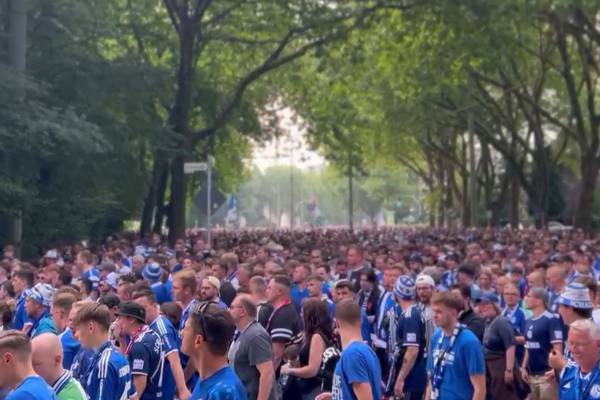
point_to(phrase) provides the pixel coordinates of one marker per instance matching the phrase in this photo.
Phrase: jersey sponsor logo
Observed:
(595, 391)
(567, 385)
(532, 345)
(123, 371)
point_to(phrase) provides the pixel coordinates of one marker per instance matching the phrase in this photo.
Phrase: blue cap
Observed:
(405, 287)
(485, 297)
(152, 272)
(576, 295)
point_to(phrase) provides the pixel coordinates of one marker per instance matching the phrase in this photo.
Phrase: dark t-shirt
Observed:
(498, 337)
(284, 325)
(253, 347)
(474, 322)
(264, 311)
(227, 292)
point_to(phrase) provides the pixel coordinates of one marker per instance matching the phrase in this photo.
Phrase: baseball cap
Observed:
(576, 295)
(133, 310)
(405, 287)
(485, 297)
(42, 293)
(425, 279)
(152, 272)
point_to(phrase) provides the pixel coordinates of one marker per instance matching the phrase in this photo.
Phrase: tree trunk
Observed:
(583, 213)
(350, 198)
(150, 199)
(179, 121)
(161, 189)
(513, 209)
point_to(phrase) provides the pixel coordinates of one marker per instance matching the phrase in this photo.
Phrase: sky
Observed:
(278, 151)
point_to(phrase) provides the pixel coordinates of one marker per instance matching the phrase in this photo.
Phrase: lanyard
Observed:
(579, 393)
(440, 361)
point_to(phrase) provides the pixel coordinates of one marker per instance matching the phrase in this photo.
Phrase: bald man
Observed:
(47, 358)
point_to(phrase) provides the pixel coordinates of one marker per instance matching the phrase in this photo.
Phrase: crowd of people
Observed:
(322, 314)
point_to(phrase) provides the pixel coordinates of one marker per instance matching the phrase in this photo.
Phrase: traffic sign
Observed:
(191, 167)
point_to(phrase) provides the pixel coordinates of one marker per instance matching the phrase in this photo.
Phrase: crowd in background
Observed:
(330, 313)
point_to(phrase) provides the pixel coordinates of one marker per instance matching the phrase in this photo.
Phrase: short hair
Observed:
(26, 275)
(230, 260)
(282, 280)
(586, 325)
(467, 269)
(248, 303)
(87, 256)
(370, 275)
(356, 248)
(147, 293)
(540, 294)
(259, 282)
(172, 311)
(93, 312)
(17, 343)
(348, 311)
(448, 299)
(64, 301)
(6, 313)
(187, 279)
(127, 278)
(344, 284)
(314, 277)
(590, 283)
(219, 327)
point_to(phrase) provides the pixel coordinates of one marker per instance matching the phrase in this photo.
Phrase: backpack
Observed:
(331, 356)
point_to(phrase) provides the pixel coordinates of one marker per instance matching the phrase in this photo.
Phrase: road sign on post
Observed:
(190, 168)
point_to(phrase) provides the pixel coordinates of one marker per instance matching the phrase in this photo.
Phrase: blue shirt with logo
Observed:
(109, 376)
(573, 385)
(540, 333)
(170, 342)
(93, 275)
(32, 388)
(70, 347)
(146, 358)
(358, 364)
(222, 385)
(464, 360)
(81, 363)
(410, 332)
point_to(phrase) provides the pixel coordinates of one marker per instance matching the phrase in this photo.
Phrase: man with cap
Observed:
(543, 334)
(153, 273)
(407, 377)
(37, 306)
(144, 351)
(574, 304)
(209, 291)
(425, 286)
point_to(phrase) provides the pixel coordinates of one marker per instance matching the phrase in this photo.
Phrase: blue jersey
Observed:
(81, 364)
(449, 278)
(20, 318)
(386, 303)
(573, 385)
(32, 388)
(297, 295)
(170, 342)
(93, 275)
(358, 364)
(410, 332)
(541, 332)
(109, 376)
(70, 348)
(43, 324)
(146, 358)
(464, 360)
(222, 385)
(161, 292)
